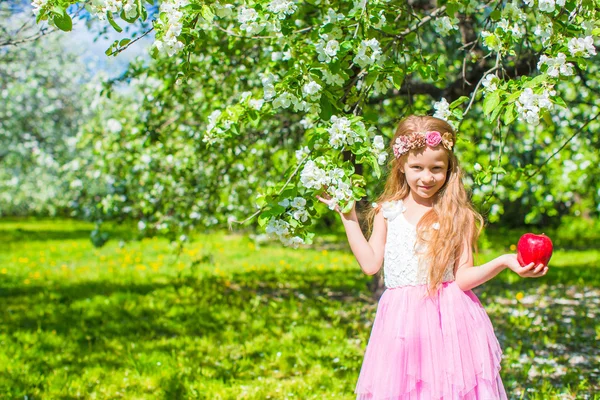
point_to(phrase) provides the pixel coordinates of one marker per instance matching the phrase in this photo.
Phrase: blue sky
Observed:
(81, 41)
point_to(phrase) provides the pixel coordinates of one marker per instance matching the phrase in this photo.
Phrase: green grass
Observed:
(230, 320)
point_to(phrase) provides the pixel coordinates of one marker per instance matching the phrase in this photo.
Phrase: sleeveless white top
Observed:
(401, 266)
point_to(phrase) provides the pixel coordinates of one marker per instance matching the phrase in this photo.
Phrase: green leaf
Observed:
(497, 112)
(398, 79)
(491, 102)
(509, 114)
(207, 13)
(559, 101)
(459, 101)
(513, 97)
(451, 8)
(499, 170)
(348, 207)
(63, 22)
(496, 15)
(326, 109)
(124, 42)
(112, 22)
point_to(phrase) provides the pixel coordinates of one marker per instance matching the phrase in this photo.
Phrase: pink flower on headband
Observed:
(416, 140)
(433, 138)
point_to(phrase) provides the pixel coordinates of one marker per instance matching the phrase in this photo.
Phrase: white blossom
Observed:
(302, 153)
(282, 8)
(284, 100)
(369, 52)
(256, 103)
(341, 132)
(444, 25)
(442, 109)
(332, 17)
(38, 5)
(298, 202)
(530, 104)
(327, 49)
(313, 177)
(312, 90)
(168, 43)
(582, 47)
(490, 83)
(556, 66)
(378, 142)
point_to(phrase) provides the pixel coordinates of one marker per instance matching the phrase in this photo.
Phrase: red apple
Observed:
(534, 248)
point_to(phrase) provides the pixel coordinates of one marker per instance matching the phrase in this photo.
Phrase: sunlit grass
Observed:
(232, 319)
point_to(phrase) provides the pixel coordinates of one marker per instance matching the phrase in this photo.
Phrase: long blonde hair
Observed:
(452, 208)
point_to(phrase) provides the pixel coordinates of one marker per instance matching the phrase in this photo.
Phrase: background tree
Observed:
(233, 84)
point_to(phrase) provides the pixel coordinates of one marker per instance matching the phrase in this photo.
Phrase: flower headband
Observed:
(416, 140)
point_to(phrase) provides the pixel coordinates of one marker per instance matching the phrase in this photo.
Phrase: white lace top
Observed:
(401, 264)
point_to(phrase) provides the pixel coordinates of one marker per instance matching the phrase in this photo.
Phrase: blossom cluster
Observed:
(444, 25)
(298, 208)
(335, 181)
(530, 104)
(281, 229)
(168, 42)
(327, 48)
(546, 5)
(490, 83)
(38, 5)
(99, 8)
(379, 149)
(556, 66)
(282, 8)
(369, 52)
(341, 133)
(442, 111)
(582, 47)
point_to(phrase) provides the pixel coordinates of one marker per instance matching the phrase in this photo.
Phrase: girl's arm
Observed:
(467, 276)
(369, 254)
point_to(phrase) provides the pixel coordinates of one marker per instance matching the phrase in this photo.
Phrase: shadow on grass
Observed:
(96, 323)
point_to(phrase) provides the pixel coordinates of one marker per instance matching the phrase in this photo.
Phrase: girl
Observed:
(431, 338)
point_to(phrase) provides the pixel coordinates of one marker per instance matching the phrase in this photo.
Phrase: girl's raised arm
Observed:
(369, 254)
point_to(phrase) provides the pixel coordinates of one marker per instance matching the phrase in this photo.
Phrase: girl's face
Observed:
(425, 171)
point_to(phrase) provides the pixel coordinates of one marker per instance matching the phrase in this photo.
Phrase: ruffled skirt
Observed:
(431, 348)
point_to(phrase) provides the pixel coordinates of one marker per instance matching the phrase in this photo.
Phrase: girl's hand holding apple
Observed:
(531, 270)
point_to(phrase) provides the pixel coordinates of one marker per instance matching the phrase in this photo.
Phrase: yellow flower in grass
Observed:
(520, 296)
(4, 271)
(27, 281)
(37, 275)
(513, 247)
(140, 267)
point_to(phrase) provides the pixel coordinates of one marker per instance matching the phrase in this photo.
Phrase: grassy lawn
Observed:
(232, 320)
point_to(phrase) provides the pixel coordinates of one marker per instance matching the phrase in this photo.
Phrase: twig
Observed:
(120, 49)
(577, 131)
(280, 191)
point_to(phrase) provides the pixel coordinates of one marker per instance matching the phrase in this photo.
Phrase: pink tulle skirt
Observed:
(431, 348)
